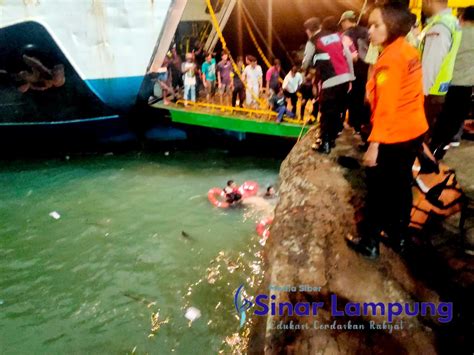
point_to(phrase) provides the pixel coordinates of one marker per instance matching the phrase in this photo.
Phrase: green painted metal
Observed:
(234, 123)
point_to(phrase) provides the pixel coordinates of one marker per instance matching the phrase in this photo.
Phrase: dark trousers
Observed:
(293, 98)
(239, 91)
(455, 111)
(359, 111)
(389, 194)
(433, 107)
(330, 108)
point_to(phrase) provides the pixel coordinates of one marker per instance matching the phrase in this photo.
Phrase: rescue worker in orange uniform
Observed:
(395, 92)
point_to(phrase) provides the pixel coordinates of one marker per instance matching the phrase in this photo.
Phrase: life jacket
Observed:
(329, 59)
(445, 74)
(435, 194)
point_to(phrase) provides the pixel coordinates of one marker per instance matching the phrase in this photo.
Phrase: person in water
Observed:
(232, 193)
(271, 193)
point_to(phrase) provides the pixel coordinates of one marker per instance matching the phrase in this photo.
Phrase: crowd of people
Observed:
(411, 95)
(408, 90)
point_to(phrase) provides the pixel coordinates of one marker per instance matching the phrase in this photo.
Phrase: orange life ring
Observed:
(216, 196)
(248, 189)
(263, 227)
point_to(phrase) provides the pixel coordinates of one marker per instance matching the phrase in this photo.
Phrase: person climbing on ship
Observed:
(278, 103)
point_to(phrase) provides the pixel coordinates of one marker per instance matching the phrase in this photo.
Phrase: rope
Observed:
(362, 11)
(274, 32)
(254, 40)
(215, 23)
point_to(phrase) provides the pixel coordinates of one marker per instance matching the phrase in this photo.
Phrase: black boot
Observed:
(324, 148)
(321, 146)
(367, 248)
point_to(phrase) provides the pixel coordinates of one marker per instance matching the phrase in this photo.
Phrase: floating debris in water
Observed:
(156, 323)
(167, 153)
(213, 273)
(55, 215)
(231, 266)
(1, 302)
(233, 340)
(192, 313)
(109, 154)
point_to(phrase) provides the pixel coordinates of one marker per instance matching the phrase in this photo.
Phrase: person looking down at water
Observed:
(252, 77)
(209, 76)
(189, 78)
(395, 93)
(232, 193)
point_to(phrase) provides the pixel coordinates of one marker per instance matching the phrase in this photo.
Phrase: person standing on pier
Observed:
(395, 91)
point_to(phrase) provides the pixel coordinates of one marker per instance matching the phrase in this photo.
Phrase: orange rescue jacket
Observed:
(395, 93)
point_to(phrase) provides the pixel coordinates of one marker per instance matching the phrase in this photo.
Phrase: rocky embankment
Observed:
(319, 203)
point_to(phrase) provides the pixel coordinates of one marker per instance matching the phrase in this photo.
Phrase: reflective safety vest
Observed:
(445, 74)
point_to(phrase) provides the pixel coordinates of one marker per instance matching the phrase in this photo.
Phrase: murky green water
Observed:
(91, 281)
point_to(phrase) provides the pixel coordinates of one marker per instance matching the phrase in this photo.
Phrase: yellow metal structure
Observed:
(415, 5)
(262, 113)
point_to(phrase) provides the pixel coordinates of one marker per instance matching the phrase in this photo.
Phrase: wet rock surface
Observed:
(319, 204)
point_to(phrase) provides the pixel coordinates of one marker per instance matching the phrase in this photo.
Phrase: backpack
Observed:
(436, 193)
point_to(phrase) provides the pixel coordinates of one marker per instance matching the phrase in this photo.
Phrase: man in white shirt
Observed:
(291, 85)
(252, 77)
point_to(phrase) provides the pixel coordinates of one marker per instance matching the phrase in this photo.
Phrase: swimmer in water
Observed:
(270, 193)
(263, 204)
(232, 193)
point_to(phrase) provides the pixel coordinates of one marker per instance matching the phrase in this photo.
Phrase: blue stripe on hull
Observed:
(120, 93)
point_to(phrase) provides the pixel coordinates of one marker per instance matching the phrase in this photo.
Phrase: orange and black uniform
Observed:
(395, 92)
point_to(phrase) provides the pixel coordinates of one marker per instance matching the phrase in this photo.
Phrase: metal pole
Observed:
(269, 29)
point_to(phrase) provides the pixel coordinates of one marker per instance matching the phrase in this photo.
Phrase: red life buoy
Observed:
(216, 196)
(263, 227)
(248, 189)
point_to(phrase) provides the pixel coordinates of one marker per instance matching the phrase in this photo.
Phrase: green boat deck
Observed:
(215, 118)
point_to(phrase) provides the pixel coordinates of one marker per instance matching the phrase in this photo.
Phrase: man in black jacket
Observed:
(359, 112)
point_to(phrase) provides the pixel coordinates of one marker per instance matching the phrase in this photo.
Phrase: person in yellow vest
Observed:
(458, 99)
(439, 45)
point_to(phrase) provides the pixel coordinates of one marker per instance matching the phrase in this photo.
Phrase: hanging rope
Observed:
(254, 40)
(362, 11)
(274, 32)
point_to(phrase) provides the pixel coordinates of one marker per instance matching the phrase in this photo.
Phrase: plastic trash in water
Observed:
(193, 314)
(167, 153)
(1, 302)
(55, 215)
